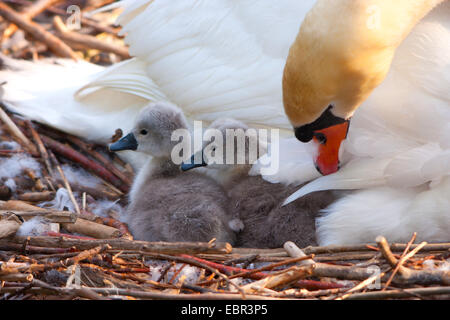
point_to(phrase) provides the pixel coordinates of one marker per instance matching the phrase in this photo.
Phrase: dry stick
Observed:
(19, 277)
(51, 215)
(30, 12)
(67, 262)
(71, 236)
(142, 247)
(39, 289)
(96, 192)
(8, 227)
(82, 291)
(195, 262)
(12, 127)
(284, 278)
(41, 147)
(37, 32)
(227, 269)
(404, 293)
(326, 270)
(362, 285)
(37, 196)
(100, 158)
(401, 261)
(372, 247)
(87, 41)
(124, 232)
(248, 273)
(90, 22)
(66, 182)
(272, 266)
(17, 205)
(91, 165)
(126, 276)
(410, 276)
(92, 229)
(8, 246)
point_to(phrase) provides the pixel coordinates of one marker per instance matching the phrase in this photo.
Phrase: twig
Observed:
(30, 12)
(87, 41)
(100, 158)
(142, 247)
(15, 131)
(50, 215)
(92, 229)
(199, 264)
(285, 277)
(91, 165)
(401, 261)
(37, 196)
(66, 182)
(41, 147)
(39, 33)
(405, 293)
(413, 276)
(8, 227)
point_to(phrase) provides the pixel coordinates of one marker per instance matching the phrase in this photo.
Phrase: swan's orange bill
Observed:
(330, 140)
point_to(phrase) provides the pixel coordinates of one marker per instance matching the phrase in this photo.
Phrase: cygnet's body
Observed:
(256, 204)
(267, 224)
(165, 203)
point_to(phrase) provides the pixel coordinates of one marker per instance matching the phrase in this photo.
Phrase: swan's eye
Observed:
(143, 132)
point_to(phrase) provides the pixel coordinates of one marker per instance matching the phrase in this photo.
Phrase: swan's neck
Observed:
(343, 51)
(152, 168)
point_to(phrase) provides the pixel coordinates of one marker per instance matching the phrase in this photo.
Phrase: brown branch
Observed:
(88, 164)
(87, 41)
(283, 278)
(395, 294)
(29, 13)
(41, 147)
(123, 244)
(92, 229)
(37, 32)
(66, 182)
(8, 227)
(410, 276)
(37, 196)
(100, 158)
(12, 127)
(51, 215)
(401, 261)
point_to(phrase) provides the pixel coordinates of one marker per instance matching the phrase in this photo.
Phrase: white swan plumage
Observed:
(225, 59)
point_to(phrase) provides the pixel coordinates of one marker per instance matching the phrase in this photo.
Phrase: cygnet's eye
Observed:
(143, 132)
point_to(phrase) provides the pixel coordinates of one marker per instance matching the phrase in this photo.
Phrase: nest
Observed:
(84, 253)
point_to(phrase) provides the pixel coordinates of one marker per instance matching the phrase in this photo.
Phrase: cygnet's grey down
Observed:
(256, 204)
(167, 204)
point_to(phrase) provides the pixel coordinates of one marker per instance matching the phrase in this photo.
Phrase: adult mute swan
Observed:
(398, 146)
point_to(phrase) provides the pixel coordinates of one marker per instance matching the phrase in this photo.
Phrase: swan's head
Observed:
(153, 130)
(336, 61)
(229, 144)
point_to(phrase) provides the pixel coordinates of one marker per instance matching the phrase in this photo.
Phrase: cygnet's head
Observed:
(153, 130)
(229, 143)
